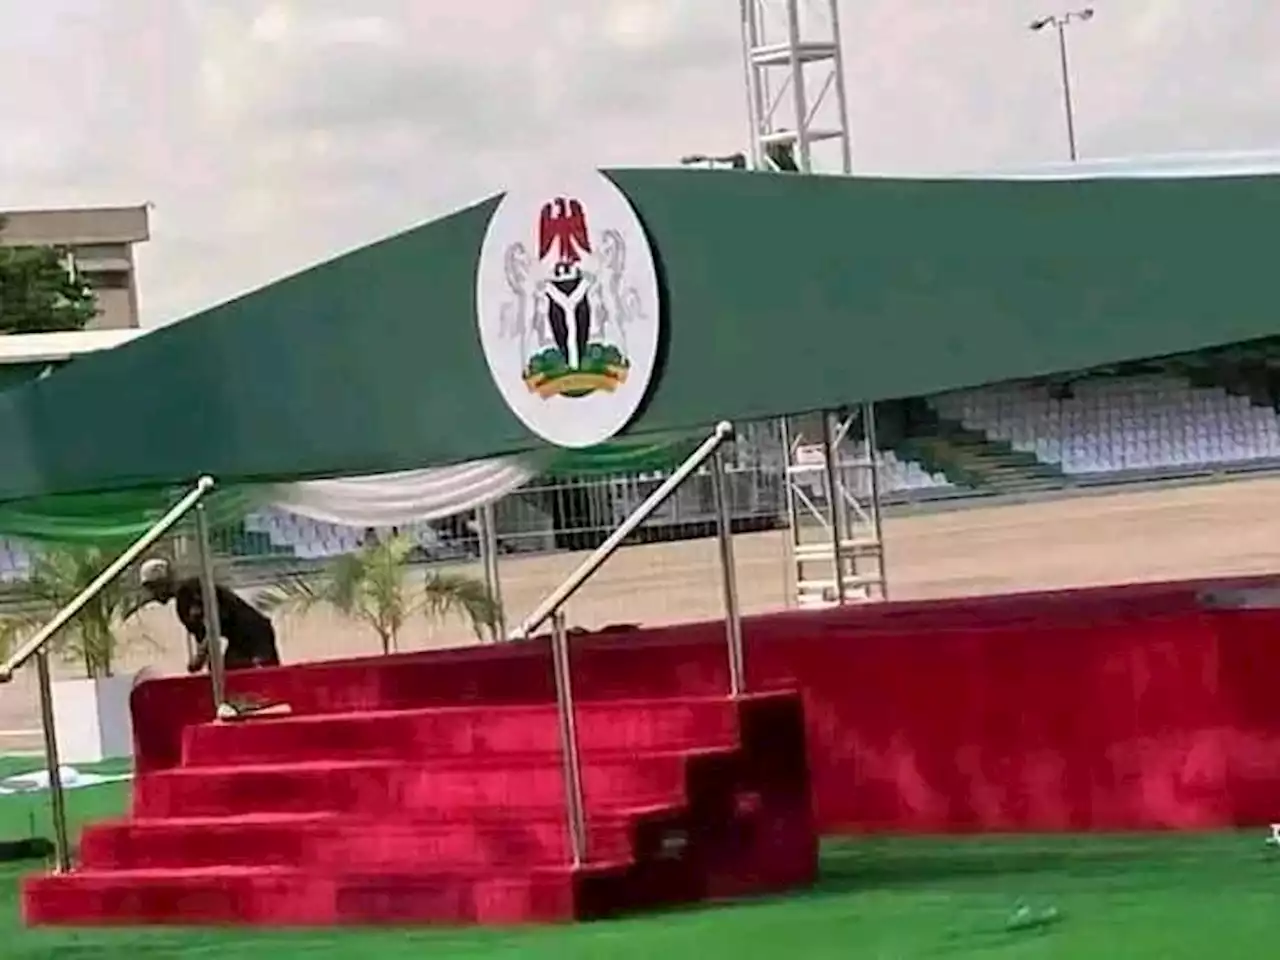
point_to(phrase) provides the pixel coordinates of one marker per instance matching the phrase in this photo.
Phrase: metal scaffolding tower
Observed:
(795, 81)
(836, 548)
(798, 111)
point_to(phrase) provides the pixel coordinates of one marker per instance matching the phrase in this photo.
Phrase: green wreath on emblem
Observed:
(602, 367)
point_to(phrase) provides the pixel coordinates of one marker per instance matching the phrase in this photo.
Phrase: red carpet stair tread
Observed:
(452, 815)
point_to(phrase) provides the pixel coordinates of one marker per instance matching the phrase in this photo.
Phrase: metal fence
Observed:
(553, 518)
(548, 515)
(667, 573)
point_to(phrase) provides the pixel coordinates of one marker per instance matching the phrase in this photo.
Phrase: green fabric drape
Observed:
(126, 515)
(109, 517)
(632, 455)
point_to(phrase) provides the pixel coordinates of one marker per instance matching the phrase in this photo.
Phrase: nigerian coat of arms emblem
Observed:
(568, 309)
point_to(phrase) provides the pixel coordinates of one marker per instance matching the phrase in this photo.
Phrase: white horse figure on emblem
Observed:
(524, 313)
(621, 305)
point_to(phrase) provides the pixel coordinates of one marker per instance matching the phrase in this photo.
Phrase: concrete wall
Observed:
(101, 240)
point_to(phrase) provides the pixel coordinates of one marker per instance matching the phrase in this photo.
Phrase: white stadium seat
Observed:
(1120, 425)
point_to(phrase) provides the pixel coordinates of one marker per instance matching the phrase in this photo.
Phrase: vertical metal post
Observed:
(487, 523)
(212, 620)
(804, 150)
(57, 800)
(842, 95)
(575, 809)
(873, 458)
(791, 573)
(835, 494)
(593, 561)
(724, 533)
(749, 44)
(1061, 24)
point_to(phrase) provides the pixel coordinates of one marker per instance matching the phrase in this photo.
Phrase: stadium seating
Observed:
(15, 560)
(312, 539)
(1113, 426)
(1009, 438)
(898, 476)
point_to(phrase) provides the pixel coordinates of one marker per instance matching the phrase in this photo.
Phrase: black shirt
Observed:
(250, 637)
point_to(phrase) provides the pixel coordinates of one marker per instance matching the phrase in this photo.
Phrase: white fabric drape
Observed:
(407, 496)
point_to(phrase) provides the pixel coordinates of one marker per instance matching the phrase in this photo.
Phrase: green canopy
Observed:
(17, 374)
(783, 294)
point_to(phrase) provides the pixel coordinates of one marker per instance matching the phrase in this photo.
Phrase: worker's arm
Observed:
(199, 658)
(191, 613)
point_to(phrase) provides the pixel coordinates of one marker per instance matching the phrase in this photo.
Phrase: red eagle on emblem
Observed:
(563, 225)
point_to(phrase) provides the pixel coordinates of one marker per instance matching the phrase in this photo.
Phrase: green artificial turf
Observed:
(1164, 897)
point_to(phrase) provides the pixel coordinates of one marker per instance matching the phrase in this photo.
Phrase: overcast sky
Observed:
(271, 135)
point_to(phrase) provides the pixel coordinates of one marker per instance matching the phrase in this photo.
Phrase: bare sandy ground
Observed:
(1229, 528)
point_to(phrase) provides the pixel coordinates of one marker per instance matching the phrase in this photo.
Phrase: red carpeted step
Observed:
(373, 788)
(454, 839)
(458, 731)
(276, 896)
(261, 840)
(336, 842)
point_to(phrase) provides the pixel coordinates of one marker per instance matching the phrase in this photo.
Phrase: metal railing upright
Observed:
(37, 645)
(552, 609)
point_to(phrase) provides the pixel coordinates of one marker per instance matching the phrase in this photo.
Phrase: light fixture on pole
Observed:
(734, 161)
(1060, 22)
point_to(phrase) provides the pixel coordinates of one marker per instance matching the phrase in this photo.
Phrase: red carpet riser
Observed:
(453, 815)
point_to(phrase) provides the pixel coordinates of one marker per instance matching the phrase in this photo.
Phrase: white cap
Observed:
(153, 570)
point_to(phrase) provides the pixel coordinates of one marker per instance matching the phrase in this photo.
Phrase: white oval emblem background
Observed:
(568, 308)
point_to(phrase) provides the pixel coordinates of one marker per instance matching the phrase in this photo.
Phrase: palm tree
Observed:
(372, 586)
(58, 574)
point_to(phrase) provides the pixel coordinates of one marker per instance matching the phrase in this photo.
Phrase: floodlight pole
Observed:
(1060, 22)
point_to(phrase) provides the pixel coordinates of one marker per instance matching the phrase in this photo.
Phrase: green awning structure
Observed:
(109, 517)
(783, 294)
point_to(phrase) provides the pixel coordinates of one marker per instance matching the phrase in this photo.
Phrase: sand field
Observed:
(1227, 528)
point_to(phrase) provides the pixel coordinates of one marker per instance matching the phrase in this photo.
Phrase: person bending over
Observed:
(251, 640)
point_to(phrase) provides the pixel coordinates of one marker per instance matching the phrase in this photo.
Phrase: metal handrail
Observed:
(36, 646)
(561, 594)
(64, 616)
(550, 608)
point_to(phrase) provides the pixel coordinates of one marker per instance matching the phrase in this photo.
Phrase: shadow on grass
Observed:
(1120, 862)
(995, 870)
(877, 866)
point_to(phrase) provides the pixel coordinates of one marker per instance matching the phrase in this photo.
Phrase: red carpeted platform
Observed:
(1140, 707)
(420, 814)
(424, 786)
